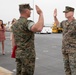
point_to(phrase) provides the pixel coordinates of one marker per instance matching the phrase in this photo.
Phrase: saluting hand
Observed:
(55, 13)
(39, 11)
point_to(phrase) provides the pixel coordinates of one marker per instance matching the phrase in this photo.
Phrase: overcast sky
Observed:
(9, 9)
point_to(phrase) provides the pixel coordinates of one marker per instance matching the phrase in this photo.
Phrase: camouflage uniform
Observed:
(69, 46)
(25, 53)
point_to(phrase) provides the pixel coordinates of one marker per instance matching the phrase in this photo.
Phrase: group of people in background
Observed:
(3, 29)
(22, 35)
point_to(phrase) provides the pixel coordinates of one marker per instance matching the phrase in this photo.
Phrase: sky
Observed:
(9, 9)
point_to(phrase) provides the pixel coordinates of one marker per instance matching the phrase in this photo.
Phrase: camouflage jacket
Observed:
(24, 38)
(69, 32)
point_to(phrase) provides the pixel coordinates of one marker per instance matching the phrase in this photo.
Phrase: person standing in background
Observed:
(11, 34)
(13, 45)
(2, 35)
(69, 40)
(23, 31)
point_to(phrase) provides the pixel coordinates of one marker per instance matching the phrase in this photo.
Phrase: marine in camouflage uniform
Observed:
(69, 43)
(24, 39)
(69, 46)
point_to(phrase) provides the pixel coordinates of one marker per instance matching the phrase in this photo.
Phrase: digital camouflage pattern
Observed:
(68, 9)
(25, 53)
(69, 46)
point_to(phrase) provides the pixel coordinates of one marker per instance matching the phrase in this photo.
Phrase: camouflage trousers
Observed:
(25, 66)
(70, 62)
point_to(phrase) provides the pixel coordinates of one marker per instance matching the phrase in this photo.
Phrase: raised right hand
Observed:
(55, 12)
(39, 11)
